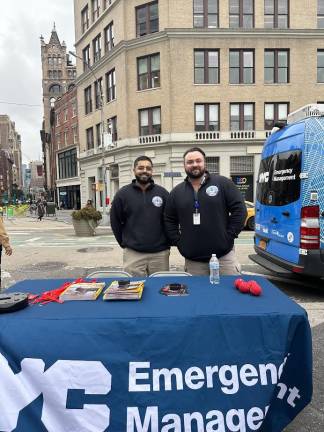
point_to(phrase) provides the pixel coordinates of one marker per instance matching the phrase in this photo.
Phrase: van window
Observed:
(279, 179)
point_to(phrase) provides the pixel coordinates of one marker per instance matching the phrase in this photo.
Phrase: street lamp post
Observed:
(102, 122)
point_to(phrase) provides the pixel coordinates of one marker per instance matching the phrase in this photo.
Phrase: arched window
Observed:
(55, 88)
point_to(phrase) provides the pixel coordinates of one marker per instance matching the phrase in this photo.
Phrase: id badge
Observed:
(196, 218)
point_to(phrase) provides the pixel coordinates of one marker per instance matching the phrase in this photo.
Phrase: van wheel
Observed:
(250, 223)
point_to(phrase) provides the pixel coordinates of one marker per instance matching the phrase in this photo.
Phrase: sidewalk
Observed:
(64, 216)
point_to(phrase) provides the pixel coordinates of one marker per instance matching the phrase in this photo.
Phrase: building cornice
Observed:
(167, 34)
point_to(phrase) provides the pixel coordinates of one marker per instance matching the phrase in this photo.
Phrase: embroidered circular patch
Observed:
(212, 190)
(157, 201)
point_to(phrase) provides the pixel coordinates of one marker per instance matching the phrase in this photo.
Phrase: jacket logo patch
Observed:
(157, 201)
(212, 190)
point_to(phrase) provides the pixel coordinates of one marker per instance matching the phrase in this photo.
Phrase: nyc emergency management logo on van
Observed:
(264, 177)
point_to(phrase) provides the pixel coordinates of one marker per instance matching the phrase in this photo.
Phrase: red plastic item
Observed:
(250, 286)
(244, 287)
(237, 283)
(53, 295)
(255, 288)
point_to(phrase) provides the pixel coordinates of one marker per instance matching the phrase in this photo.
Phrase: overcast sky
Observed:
(21, 25)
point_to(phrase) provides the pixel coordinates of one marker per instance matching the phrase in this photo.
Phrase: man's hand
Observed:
(8, 250)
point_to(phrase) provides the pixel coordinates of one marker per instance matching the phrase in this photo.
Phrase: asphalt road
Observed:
(50, 249)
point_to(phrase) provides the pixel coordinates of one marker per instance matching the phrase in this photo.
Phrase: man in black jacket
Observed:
(203, 215)
(136, 218)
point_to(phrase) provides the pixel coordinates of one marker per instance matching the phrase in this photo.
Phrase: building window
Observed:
(320, 13)
(87, 100)
(58, 119)
(206, 117)
(112, 128)
(242, 116)
(147, 19)
(206, 66)
(275, 112)
(98, 93)
(276, 66)
(241, 13)
(86, 58)
(241, 164)
(67, 164)
(75, 134)
(150, 121)
(58, 140)
(148, 72)
(320, 66)
(111, 85)
(241, 66)
(276, 13)
(212, 164)
(96, 48)
(205, 13)
(55, 89)
(98, 134)
(85, 19)
(95, 8)
(66, 138)
(74, 109)
(109, 37)
(89, 138)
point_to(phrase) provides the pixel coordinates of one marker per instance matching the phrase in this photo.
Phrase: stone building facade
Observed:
(177, 74)
(58, 74)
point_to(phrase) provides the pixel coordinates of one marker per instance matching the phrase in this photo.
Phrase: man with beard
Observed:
(136, 218)
(203, 215)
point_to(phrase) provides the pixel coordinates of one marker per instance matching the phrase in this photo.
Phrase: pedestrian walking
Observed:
(136, 218)
(40, 209)
(203, 216)
(4, 243)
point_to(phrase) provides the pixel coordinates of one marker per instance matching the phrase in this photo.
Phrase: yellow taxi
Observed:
(249, 221)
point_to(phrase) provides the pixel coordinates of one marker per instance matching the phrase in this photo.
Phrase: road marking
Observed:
(33, 239)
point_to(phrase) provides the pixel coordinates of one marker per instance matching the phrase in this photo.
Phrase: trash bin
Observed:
(10, 212)
(50, 209)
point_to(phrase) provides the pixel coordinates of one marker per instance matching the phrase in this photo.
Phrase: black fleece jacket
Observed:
(136, 218)
(222, 215)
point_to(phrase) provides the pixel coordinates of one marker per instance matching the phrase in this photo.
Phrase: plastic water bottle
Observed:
(214, 269)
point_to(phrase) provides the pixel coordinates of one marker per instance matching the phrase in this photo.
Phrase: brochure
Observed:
(124, 290)
(82, 291)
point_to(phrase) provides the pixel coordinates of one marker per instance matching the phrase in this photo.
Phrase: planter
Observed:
(84, 228)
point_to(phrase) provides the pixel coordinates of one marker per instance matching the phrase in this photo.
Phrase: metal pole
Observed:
(102, 121)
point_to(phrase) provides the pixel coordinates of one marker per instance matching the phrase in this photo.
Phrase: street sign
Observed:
(172, 174)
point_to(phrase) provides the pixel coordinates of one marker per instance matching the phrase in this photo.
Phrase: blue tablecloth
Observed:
(215, 360)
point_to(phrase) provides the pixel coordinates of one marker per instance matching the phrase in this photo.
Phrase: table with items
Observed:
(214, 359)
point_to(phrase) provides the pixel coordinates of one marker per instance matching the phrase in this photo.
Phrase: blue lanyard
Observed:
(196, 202)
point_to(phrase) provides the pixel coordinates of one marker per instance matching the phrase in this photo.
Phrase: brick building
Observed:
(66, 150)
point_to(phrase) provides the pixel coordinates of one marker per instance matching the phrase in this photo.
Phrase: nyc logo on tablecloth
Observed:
(20, 389)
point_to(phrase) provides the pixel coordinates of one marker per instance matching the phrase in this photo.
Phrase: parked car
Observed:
(249, 221)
